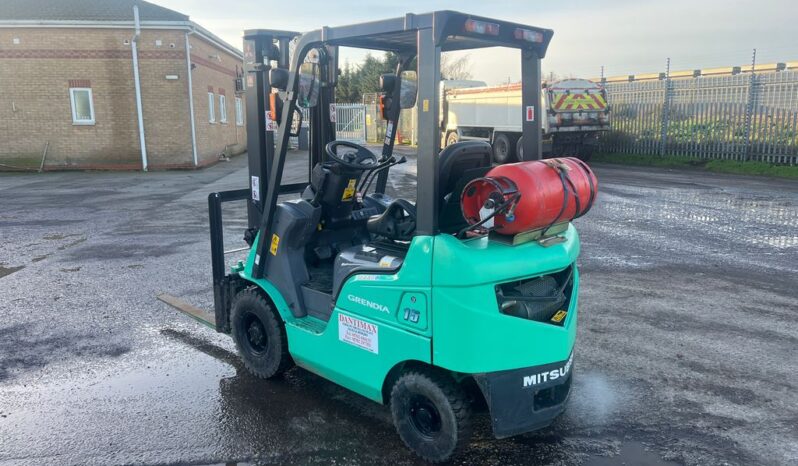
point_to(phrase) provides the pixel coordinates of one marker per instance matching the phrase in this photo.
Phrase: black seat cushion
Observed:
(458, 164)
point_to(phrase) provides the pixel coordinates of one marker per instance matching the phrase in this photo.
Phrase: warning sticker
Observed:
(559, 316)
(349, 191)
(275, 244)
(530, 113)
(333, 114)
(270, 124)
(358, 333)
(255, 188)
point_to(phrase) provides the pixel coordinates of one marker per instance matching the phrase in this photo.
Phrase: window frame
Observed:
(222, 108)
(73, 108)
(211, 107)
(239, 111)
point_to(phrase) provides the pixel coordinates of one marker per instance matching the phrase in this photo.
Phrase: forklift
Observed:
(402, 301)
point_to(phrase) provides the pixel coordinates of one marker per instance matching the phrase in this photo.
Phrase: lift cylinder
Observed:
(528, 196)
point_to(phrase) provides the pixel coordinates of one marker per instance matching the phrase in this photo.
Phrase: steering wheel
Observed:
(359, 159)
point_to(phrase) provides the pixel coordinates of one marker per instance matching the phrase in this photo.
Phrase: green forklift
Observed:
(399, 300)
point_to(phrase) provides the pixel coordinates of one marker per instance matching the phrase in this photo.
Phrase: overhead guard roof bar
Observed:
(399, 34)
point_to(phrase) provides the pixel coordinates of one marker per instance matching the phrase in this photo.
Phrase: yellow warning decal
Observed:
(275, 244)
(577, 101)
(559, 316)
(349, 191)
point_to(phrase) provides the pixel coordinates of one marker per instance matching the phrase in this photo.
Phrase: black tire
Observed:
(259, 335)
(431, 413)
(503, 149)
(584, 152)
(452, 138)
(519, 148)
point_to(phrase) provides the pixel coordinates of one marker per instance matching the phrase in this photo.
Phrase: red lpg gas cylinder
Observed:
(528, 196)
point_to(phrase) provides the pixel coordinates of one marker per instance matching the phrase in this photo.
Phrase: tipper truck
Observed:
(576, 111)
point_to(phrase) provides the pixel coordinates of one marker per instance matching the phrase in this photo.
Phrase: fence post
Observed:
(749, 108)
(666, 104)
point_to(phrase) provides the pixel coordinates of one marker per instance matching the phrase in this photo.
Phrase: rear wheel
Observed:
(503, 149)
(519, 148)
(452, 138)
(431, 413)
(259, 335)
(584, 152)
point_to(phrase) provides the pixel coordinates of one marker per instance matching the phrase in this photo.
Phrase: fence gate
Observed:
(350, 122)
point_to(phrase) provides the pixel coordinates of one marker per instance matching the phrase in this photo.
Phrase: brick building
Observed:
(67, 84)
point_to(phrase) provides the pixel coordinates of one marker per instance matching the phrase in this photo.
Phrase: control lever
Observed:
(366, 183)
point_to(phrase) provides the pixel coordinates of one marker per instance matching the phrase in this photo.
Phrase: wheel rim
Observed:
(502, 149)
(256, 337)
(452, 139)
(424, 417)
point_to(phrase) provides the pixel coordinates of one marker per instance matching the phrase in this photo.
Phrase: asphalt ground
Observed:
(687, 350)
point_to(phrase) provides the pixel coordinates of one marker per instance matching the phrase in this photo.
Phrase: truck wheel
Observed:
(519, 148)
(503, 149)
(431, 414)
(452, 138)
(259, 335)
(584, 152)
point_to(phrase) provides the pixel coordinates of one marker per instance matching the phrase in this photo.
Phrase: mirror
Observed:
(409, 90)
(309, 77)
(278, 78)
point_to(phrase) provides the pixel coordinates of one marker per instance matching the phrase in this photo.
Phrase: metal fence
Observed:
(350, 122)
(375, 125)
(737, 117)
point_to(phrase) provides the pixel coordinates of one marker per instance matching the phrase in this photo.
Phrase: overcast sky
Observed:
(626, 36)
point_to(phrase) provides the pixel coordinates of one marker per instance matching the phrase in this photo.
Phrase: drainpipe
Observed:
(191, 100)
(137, 83)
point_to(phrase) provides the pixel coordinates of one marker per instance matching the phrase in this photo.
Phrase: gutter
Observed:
(179, 25)
(191, 101)
(137, 83)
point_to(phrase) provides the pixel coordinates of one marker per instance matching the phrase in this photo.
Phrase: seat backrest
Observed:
(459, 164)
(458, 158)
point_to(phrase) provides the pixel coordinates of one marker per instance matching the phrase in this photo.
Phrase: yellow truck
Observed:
(575, 112)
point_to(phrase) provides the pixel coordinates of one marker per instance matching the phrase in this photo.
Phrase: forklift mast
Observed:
(263, 48)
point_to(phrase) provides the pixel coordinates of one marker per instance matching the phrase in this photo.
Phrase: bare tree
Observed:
(455, 68)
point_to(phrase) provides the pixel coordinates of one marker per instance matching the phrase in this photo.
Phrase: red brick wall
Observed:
(35, 107)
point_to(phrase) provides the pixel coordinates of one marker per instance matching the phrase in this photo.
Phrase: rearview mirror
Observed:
(309, 76)
(409, 90)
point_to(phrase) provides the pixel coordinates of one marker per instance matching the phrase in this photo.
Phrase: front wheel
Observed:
(431, 414)
(259, 335)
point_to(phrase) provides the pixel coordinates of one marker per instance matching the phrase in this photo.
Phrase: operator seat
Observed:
(458, 164)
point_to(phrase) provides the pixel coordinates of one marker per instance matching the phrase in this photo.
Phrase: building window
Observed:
(239, 112)
(82, 106)
(222, 108)
(211, 110)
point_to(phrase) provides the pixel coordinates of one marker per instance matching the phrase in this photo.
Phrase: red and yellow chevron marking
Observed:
(579, 102)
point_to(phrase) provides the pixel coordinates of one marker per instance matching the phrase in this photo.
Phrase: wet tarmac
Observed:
(687, 350)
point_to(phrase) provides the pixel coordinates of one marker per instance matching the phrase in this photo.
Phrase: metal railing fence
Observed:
(735, 117)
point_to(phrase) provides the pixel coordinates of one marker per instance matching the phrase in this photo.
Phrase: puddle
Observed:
(765, 221)
(632, 453)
